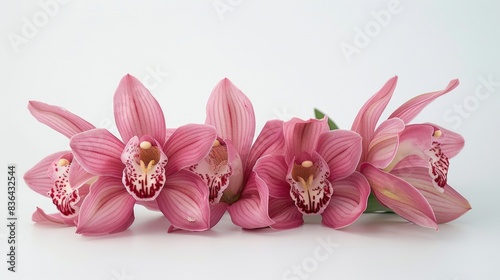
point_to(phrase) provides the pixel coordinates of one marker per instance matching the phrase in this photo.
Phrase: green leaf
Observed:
(375, 207)
(319, 115)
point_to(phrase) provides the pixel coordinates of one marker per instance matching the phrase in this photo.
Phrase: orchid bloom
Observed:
(227, 169)
(145, 168)
(58, 176)
(314, 176)
(407, 165)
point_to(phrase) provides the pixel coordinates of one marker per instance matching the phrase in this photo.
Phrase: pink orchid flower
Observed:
(58, 176)
(315, 176)
(145, 168)
(407, 165)
(227, 170)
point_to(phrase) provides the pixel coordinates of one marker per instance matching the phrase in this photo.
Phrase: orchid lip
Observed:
(214, 169)
(63, 195)
(310, 188)
(144, 173)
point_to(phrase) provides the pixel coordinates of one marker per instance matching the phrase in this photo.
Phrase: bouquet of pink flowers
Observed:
(196, 173)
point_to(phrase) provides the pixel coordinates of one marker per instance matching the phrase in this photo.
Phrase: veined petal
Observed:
(273, 171)
(184, 201)
(368, 116)
(251, 211)
(341, 149)
(236, 178)
(39, 216)
(284, 213)
(79, 176)
(400, 196)
(108, 208)
(302, 136)
(37, 178)
(310, 188)
(144, 173)
(384, 145)
(150, 205)
(410, 109)
(137, 112)
(188, 145)
(270, 141)
(451, 142)
(422, 141)
(99, 152)
(349, 201)
(58, 118)
(231, 112)
(217, 212)
(447, 205)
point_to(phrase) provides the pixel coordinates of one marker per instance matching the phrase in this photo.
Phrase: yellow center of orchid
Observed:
(63, 162)
(437, 133)
(216, 143)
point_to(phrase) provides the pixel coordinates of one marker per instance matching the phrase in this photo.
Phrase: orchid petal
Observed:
(37, 177)
(184, 201)
(251, 210)
(217, 212)
(410, 109)
(368, 116)
(302, 136)
(108, 208)
(150, 205)
(284, 213)
(349, 201)
(447, 205)
(341, 149)
(231, 112)
(270, 141)
(383, 147)
(58, 118)
(39, 216)
(99, 152)
(273, 171)
(236, 179)
(137, 112)
(78, 175)
(188, 145)
(451, 142)
(400, 196)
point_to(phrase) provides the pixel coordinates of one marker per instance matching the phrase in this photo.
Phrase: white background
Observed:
(286, 57)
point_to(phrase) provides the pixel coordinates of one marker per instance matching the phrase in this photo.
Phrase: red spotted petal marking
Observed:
(144, 173)
(438, 166)
(63, 196)
(310, 188)
(215, 171)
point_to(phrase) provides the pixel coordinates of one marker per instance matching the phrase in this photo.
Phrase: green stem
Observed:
(375, 207)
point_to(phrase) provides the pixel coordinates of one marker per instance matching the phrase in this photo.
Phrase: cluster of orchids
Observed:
(196, 173)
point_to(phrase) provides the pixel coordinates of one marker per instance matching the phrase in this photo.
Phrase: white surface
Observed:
(286, 57)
